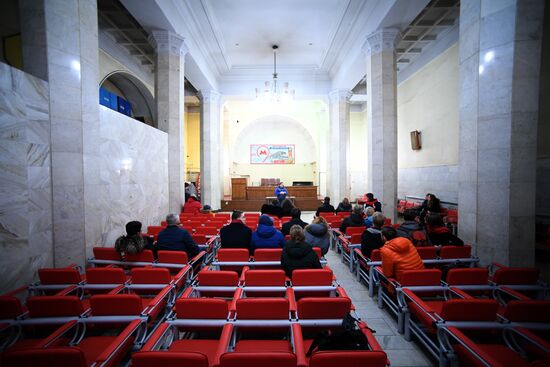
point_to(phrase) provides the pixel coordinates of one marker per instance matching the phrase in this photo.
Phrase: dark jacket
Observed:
(298, 255)
(236, 235)
(324, 209)
(174, 238)
(317, 236)
(354, 220)
(375, 204)
(441, 236)
(371, 240)
(267, 237)
(272, 210)
(407, 228)
(286, 227)
(343, 208)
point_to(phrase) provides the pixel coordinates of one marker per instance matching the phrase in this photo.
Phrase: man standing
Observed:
(236, 234)
(174, 238)
(281, 192)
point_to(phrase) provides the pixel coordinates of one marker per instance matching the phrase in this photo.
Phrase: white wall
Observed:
(25, 178)
(358, 153)
(134, 174)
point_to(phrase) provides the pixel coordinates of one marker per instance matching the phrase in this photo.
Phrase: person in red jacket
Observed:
(398, 254)
(193, 205)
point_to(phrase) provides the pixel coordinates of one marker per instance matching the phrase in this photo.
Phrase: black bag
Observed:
(349, 338)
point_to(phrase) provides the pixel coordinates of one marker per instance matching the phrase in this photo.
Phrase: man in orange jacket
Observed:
(398, 254)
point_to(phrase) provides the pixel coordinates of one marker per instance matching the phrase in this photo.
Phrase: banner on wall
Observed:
(272, 154)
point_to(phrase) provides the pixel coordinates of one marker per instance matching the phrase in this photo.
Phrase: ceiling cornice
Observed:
(264, 73)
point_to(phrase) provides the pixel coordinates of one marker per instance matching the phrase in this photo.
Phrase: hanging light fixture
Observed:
(272, 91)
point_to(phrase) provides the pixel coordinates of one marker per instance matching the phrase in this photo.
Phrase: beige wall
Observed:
(192, 147)
(428, 102)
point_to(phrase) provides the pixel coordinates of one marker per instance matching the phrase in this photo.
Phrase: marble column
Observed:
(60, 43)
(169, 92)
(338, 186)
(211, 145)
(382, 118)
(499, 60)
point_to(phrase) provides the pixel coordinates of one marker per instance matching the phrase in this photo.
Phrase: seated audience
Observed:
(371, 239)
(325, 208)
(354, 220)
(369, 212)
(398, 254)
(409, 226)
(317, 234)
(236, 234)
(192, 205)
(371, 201)
(175, 238)
(344, 206)
(438, 234)
(266, 236)
(133, 243)
(286, 207)
(431, 204)
(298, 254)
(272, 209)
(207, 209)
(295, 213)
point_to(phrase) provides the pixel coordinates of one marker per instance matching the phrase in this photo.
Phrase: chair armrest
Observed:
(67, 291)
(181, 276)
(512, 293)
(238, 294)
(223, 344)
(155, 302)
(187, 293)
(460, 293)
(532, 338)
(117, 290)
(373, 343)
(241, 278)
(16, 291)
(198, 257)
(119, 342)
(44, 343)
(421, 304)
(298, 346)
(342, 292)
(291, 299)
(157, 335)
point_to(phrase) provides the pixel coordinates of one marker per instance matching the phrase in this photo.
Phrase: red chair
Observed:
(425, 253)
(355, 230)
(264, 359)
(327, 215)
(144, 256)
(456, 252)
(218, 278)
(58, 278)
(154, 230)
(172, 257)
(106, 253)
(207, 231)
(199, 239)
(268, 254)
(285, 219)
(232, 254)
(267, 278)
(387, 222)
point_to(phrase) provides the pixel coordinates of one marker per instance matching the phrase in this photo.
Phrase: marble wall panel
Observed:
(25, 178)
(439, 180)
(134, 175)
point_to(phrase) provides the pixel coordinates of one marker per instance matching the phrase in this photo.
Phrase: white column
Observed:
(382, 118)
(169, 92)
(499, 60)
(211, 145)
(338, 172)
(60, 44)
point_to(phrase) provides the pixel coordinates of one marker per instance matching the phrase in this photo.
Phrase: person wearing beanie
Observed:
(266, 236)
(133, 243)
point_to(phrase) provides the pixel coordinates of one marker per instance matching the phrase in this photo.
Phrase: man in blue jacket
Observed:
(281, 192)
(174, 238)
(266, 236)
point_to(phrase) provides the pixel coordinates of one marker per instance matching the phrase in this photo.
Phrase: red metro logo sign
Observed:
(272, 154)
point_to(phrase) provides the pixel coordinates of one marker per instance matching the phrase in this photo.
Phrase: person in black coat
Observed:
(295, 213)
(273, 209)
(431, 204)
(236, 234)
(325, 208)
(438, 234)
(354, 220)
(297, 253)
(371, 239)
(344, 206)
(174, 238)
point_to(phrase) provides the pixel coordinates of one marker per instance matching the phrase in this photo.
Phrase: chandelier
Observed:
(272, 90)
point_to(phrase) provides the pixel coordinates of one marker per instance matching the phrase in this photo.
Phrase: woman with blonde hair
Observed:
(298, 254)
(317, 234)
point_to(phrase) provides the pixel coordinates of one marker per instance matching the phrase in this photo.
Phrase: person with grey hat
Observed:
(133, 243)
(266, 236)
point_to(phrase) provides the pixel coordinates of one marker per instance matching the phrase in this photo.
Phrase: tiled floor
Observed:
(400, 352)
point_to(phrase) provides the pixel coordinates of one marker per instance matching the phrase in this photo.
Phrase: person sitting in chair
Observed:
(281, 193)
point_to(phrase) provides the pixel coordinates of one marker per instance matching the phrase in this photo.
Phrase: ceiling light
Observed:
(272, 91)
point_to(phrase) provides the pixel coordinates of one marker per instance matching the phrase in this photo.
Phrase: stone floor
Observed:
(400, 352)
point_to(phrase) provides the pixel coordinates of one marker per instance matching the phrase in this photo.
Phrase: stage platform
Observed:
(254, 205)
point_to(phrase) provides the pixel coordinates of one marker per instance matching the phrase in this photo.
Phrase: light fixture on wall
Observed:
(416, 143)
(272, 90)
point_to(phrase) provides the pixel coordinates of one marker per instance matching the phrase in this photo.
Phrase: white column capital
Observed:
(382, 40)
(210, 96)
(339, 95)
(168, 42)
